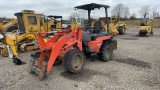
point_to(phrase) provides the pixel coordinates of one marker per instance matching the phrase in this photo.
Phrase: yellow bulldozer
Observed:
(24, 39)
(146, 27)
(115, 25)
(32, 22)
(79, 22)
(51, 23)
(9, 26)
(119, 25)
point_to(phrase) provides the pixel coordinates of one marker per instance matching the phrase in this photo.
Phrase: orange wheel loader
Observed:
(71, 46)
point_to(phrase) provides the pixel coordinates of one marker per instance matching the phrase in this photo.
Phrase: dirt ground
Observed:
(135, 66)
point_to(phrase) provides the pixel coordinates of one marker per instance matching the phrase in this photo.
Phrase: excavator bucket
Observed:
(55, 47)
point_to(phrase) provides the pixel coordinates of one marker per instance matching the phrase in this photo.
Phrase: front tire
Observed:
(74, 61)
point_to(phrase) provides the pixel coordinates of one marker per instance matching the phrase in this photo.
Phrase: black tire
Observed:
(121, 30)
(142, 34)
(12, 28)
(68, 61)
(139, 33)
(106, 52)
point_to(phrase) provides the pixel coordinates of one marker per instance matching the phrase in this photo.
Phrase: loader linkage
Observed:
(55, 47)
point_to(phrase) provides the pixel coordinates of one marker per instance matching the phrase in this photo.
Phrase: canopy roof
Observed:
(91, 6)
(50, 16)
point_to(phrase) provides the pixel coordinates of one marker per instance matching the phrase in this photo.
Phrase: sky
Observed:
(66, 7)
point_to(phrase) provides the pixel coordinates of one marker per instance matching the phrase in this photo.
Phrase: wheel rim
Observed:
(77, 62)
(107, 53)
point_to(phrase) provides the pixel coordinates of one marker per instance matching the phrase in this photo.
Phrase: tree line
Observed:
(5, 19)
(123, 11)
(145, 11)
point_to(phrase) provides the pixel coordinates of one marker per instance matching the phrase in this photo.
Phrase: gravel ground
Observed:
(135, 66)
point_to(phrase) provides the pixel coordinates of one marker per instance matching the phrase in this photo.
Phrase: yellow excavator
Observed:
(51, 23)
(9, 26)
(24, 38)
(146, 26)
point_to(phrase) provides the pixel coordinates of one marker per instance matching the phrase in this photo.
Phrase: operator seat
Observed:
(97, 30)
(97, 27)
(92, 34)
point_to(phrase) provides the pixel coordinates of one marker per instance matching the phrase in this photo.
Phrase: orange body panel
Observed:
(94, 46)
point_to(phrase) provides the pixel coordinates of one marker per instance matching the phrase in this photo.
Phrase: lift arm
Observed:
(62, 42)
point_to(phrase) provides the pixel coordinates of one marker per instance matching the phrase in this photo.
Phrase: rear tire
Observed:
(121, 30)
(106, 52)
(71, 64)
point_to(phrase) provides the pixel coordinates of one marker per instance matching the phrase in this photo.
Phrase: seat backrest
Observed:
(97, 26)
